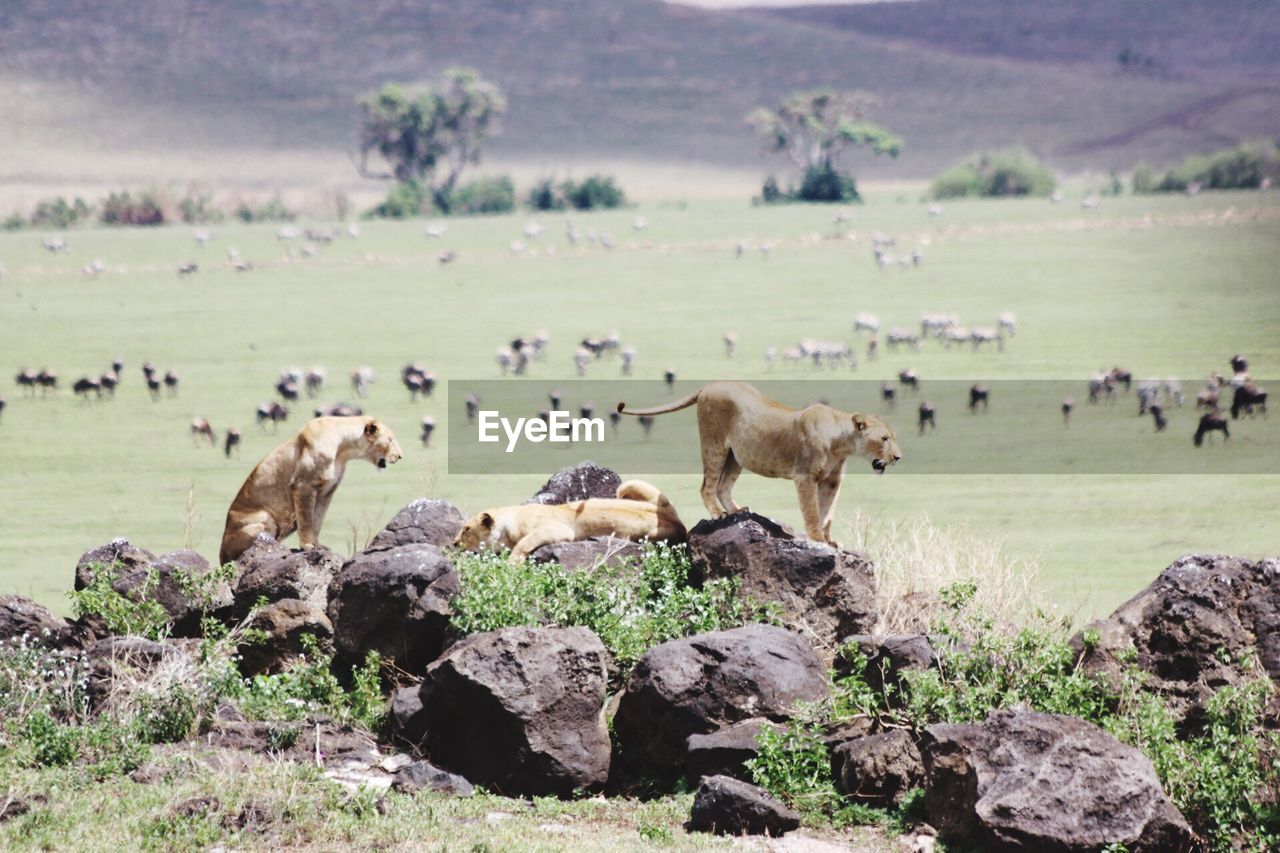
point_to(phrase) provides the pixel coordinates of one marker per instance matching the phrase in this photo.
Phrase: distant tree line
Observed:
(148, 207)
(994, 174)
(1250, 165)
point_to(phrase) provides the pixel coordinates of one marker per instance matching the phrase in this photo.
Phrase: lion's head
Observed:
(476, 533)
(383, 449)
(875, 441)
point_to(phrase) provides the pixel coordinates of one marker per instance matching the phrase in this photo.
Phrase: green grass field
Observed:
(1162, 286)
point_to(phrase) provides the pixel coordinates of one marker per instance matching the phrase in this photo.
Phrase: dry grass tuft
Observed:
(916, 559)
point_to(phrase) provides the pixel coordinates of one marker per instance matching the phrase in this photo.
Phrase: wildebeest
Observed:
(171, 382)
(669, 377)
(581, 358)
(288, 390)
(978, 394)
(1067, 405)
(47, 380)
(3, 403)
(926, 417)
(200, 429)
(473, 407)
(232, 442)
(1157, 414)
(273, 412)
(1239, 364)
(108, 382)
(188, 268)
(447, 257)
(1245, 398)
(153, 387)
(361, 379)
(888, 394)
(730, 344)
(646, 423)
(615, 419)
(428, 427)
(418, 380)
(315, 381)
(1209, 422)
(909, 379)
(1121, 377)
(554, 397)
(26, 380)
(628, 360)
(1208, 396)
(873, 347)
(339, 410)
(85, 385)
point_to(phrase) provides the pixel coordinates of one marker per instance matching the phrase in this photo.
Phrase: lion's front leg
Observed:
(304, 509)
(807, 491)
(828, 492)
(546, 534)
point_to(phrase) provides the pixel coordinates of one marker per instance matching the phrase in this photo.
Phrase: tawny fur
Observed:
(640, 512)
(739, 428)
(291, 488)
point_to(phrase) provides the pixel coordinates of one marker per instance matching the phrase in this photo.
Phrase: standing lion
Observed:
(291, 488)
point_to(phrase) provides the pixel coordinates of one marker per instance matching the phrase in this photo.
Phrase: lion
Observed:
(638, 513)
(741, 428)
(291, 488)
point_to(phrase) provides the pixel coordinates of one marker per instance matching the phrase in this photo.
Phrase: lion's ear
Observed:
(860, 422)
(486, 520)
(371, 429)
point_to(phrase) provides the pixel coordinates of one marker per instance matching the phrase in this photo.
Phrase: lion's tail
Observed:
(682, 403)
(639, 490)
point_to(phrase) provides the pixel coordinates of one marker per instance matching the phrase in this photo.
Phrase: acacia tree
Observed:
(427, 135)
(814, 128)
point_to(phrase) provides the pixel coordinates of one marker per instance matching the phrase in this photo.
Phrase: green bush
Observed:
(827, 184)
(197, 207)
(545, 196)
(138, 615)
(994, 175)
(1243, 167)
(597, 192)
(59, 213)
(274, 210)
(631, 612)
(405, 200)
(483, 196)
(123, 209)
(1144, 179)
(13, 222)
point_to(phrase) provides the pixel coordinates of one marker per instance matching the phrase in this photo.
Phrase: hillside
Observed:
(623, 79)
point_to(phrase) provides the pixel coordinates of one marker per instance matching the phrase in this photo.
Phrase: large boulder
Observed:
(175, 580)
(1190, 625)
(701, 683)
(1023, 780)
(394, 602)
(728, 806)
(423, 522)
(726, 751)
(270, 571)
(826, 593)
(283, 624)
(887, 658)
(521, 711)
(406, 718)
(22, 618)
(878, 770)
(590, 553)
(577, 483)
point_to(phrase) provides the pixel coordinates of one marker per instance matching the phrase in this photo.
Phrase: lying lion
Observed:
(291, 488)
(741, 428)
(639, 512)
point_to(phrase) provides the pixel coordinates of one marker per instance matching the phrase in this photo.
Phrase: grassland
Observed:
(1163, 286)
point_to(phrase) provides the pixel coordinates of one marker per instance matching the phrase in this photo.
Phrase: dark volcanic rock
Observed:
(423, 522)
(1199, 610)
(425, 776)
(21, 616)
(878, 770)
(119, 665)
(827, 593)
(408, 721)
(285, 623)
(1022, 780)
(582, 481)
(271, 571)
(725, 751)
(729, 806)
(175, 574)
(394, 602)
(521, 711)
(589, 553)
(888, 657)
(698, 684)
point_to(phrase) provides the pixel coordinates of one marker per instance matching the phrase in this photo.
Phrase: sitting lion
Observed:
(639, 512)
(291, 488)
(741, 428)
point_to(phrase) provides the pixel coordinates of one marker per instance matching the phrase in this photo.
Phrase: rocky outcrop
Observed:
(394, 602)
(726, 751)
(826, 593)
(1023, 780)
(589, 553)
(423, 522)
(728, 806)
(887, 658)
(1191, 625)
(699, 684)
(21, 617)
(283, 624)
(521, 711)
(577, 483)
(270, 571)
(425, 776)
(878, 770)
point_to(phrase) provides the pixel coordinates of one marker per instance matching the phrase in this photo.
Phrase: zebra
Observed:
(866, 322)
(1008, 322)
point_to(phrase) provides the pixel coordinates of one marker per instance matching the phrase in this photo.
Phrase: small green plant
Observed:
(994, 175)
(122, 208)
(795, 766)
(496, 194)
(596, 192)
(405, 200)
(136, 614)
(273, 210)
(59, 213)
